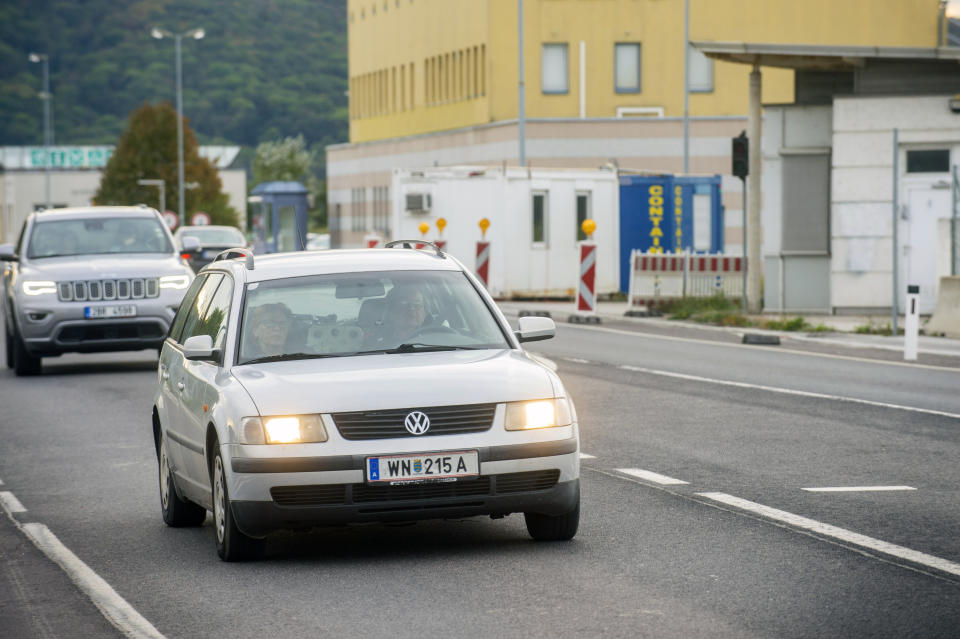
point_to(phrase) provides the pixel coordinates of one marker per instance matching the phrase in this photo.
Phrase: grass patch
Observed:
(707, 310)
(876, 329)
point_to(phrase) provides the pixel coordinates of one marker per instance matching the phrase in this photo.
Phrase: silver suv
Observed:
(103, 278)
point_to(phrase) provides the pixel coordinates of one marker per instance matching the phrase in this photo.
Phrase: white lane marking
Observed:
(10, 503)
(586, 456)
(114, 607)
(768, 349)
(577, 360)
(786, 391)
(651, 476)
(856, 489)
(840, 534)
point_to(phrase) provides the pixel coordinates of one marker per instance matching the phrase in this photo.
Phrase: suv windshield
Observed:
(215, 236)
(362, 313)
(97, 236)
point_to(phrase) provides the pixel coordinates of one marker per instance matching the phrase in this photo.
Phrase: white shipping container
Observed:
(526, 259)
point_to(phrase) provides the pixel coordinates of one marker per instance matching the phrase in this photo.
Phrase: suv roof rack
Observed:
(412, 244)
(235, 253)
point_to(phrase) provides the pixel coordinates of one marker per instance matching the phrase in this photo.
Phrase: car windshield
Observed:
(97, 236)
(364, 313)
(229, 237)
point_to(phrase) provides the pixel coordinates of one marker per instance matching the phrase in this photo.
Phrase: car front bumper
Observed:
(269, 494)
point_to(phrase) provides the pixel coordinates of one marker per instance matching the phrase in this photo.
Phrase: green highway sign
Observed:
(69, 157)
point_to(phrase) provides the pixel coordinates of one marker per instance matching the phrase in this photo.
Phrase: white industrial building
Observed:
(75, 177)
(534, 216)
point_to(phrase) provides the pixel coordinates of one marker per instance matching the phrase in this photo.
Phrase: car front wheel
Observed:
(232, 544)
(23, 362)
(178, 513)
(553, 527)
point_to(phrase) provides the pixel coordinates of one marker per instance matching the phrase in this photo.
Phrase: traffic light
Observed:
(741, 155)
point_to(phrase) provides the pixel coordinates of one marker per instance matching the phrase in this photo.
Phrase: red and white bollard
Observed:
(483, 262)
(440, 244)
(371, 241)
(586, 283)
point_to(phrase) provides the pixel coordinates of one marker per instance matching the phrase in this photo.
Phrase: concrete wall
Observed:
(862, 187)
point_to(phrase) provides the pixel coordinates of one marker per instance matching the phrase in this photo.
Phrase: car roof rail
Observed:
(412, 244)
(234, 253)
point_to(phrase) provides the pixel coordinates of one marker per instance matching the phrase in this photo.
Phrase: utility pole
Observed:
(47, 128)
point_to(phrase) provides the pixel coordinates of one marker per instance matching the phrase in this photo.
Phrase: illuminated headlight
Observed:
(538, 414)
(175, 281)
(39, 288)
(289, 429)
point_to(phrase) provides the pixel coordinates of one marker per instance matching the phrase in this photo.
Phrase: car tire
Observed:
(24, 363)
(232, 544)
(177, 512)
(553, 527)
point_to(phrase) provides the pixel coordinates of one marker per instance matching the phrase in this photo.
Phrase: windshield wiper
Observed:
(417, 347)
(286, 357)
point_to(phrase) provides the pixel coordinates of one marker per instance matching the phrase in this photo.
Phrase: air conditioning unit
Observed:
(418, 202)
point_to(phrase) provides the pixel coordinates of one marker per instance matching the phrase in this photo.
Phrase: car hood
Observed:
(79, 267)
(408, 380)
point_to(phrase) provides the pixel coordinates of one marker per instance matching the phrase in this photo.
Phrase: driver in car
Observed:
(404, 317)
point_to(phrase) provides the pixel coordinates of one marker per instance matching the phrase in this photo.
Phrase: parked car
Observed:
(102, 278)
(373, 385)
(212, 241)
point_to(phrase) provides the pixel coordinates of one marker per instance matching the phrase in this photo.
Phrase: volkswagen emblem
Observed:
(417, 423)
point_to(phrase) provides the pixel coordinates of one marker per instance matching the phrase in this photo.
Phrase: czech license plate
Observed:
(103, 312)
(443, 466)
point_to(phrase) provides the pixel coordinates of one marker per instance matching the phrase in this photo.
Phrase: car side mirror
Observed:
(189, 244)
(534, 329)
(8, 253)
(200, 348)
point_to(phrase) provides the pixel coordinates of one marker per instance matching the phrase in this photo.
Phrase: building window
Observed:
(932, 161)
(701, 72)
(583, 213)
(554, 67)
(627, 67)
(539, 219)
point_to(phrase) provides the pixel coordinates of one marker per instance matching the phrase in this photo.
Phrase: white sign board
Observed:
(200, 219)
(171, 219)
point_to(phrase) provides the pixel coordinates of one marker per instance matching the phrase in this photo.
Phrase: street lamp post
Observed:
(160, 184)
(196, 34)
(47, 133)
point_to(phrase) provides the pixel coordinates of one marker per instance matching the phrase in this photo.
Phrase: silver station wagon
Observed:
(99, 278)
(375, 385)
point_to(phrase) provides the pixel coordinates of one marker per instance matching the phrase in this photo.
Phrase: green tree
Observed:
(148, 149)
(284, 160)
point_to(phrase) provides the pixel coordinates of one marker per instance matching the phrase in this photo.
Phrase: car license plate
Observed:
(443, 466)
(103, 312)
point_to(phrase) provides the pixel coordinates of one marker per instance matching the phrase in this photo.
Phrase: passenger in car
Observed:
(267, 330)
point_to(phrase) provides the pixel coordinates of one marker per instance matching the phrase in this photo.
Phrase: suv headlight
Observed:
(39, 287)
(175, 281)
(542, 413)
(283, 429)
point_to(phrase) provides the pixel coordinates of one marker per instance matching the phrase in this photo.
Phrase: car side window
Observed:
(214, 320)
(199, 306)
(185, 305)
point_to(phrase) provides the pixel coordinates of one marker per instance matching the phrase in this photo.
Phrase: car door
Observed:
(181, 446)
(168, 407)
(199, 379)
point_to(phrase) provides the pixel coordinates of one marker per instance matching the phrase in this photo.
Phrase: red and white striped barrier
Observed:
(371, 241)
(656, 278)
(483, 262)
(586, 289)
(441, 244)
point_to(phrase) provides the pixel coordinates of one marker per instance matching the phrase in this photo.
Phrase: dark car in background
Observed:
(213, 240)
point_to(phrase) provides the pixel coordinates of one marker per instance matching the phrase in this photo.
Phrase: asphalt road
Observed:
(651, 558)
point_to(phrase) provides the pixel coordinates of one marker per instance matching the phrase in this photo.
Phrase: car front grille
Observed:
(108, 290)
(387, 424)
(350, 494)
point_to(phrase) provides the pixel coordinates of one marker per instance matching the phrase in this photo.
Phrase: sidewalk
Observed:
(842, 325)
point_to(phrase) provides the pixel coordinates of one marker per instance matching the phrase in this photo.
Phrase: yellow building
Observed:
(436, 82)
